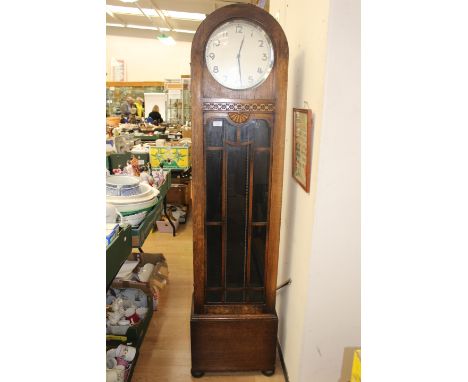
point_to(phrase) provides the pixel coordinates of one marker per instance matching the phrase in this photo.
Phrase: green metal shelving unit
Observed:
(117, 252)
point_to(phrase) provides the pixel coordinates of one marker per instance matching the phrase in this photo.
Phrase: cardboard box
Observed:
(180, 194)
(176, 157)
(356, 371)
(157, 280)
(165, 227)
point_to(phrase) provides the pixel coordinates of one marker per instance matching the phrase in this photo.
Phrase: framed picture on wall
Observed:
(302, 146)
(118, 70)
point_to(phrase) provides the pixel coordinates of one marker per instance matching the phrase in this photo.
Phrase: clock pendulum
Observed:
(239, 67)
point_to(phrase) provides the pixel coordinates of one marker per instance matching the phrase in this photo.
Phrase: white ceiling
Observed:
(156, 6)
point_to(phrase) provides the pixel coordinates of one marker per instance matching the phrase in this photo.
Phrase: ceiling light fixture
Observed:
(115, 25)
(142, 27)
(131, 10)
(128, 1)
(184, 15)
(152, 13)
(148, 27)
(184, 31)
(166, 40)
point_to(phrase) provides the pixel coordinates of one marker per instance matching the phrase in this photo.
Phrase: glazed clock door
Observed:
(237, 162)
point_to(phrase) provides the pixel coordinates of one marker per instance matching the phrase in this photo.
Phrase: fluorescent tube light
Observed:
(148, 27)
(152, 12)
(184, 15)
(183, 31)
(142, 27)
(131, 10)
(128, 1)
(115, 25)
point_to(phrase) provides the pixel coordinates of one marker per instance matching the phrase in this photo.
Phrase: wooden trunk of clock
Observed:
(238, 145)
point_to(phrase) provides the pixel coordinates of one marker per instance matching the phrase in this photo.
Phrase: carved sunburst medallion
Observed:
(238, 117)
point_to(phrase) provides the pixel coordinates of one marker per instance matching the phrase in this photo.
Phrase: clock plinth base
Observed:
(224, 343)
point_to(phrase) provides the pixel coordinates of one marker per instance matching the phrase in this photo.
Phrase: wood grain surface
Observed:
(165, 354)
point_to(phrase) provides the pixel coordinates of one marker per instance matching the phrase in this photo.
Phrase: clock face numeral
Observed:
(239, 54)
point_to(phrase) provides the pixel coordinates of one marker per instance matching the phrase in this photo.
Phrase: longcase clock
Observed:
(239, 79)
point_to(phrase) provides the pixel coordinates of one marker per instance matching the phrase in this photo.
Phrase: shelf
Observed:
(134, 337)
(134, 84)
(167, 183)
(117, 252)
(148, 138)
(135, 334)
(140, 233)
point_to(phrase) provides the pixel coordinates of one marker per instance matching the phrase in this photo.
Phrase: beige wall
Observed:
(148, 59)
(305, 25)
(320, 238)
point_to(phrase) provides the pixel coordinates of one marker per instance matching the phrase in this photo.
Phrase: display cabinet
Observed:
(178, 106)
(239, 79)
(186, 101)
(116, 92)
(174, 111)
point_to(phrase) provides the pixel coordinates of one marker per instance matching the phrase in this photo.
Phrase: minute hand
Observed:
(238, 59)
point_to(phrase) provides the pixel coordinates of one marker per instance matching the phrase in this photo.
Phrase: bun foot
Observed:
(268, 373)
(197, 374)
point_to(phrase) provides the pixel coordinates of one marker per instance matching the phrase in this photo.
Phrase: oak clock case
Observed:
(239, 81)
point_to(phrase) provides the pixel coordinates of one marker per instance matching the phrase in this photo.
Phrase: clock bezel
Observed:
(272, 53)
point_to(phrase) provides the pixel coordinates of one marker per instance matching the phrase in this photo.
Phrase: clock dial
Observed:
(239, 54)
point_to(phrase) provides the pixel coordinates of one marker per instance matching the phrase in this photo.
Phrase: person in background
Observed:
(157, 119)
(132, 118)
(126, 106)
(140, 112)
